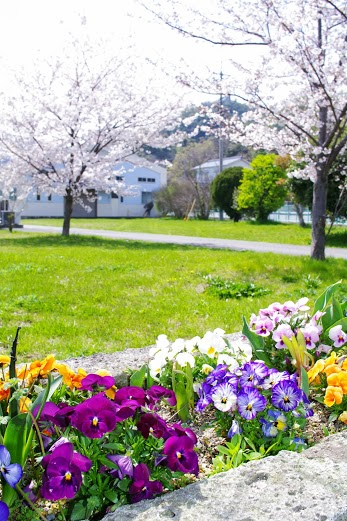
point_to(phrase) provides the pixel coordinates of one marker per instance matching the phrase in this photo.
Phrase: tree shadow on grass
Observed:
(80, 241)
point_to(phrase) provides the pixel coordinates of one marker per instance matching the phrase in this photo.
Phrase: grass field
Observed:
(272, 232)
(79, 295)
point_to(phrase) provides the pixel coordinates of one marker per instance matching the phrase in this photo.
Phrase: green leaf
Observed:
(117, 447)
(224, 450)
(323, 299)
(124, 484)
(257, 343)
(333, 313)
(333, 417)
(305, 386)
(253, 456)
(138, 378)
(79, 511)
(342, 322)
(112, 496)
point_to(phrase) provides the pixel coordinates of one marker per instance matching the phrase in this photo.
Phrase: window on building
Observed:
(121, 199)
(146, 197)
(150, 180)
(38, 196)
(49, 197)
(114, 195)
(119, 178)
(141, 179)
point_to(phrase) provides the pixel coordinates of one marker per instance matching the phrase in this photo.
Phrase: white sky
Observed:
(29, 25)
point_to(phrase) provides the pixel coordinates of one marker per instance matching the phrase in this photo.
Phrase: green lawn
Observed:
(272, 232)
(80, 295)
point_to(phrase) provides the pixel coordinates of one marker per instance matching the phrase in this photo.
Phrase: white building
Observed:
(209, 170)
(143, 177)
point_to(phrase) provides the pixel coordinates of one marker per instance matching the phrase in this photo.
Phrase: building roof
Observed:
(227, 161)
(142, 161)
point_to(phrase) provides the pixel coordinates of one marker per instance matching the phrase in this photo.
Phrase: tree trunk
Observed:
(68, 203)
(319, 214)
(300, 213)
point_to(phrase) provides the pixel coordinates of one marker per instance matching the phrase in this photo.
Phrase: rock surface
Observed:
(311, 486)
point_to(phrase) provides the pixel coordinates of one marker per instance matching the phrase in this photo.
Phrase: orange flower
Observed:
(4, 393)
(333, 368)
(333, 395)
(41, 367)
(339, 380)
(315, 370)
(73, 380)
(343, 417)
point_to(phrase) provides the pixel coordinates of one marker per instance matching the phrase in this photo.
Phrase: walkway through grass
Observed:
(79, 295)
(247, 231)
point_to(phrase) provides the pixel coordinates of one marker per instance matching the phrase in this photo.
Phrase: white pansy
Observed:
(219, 331)
(156, 365)
(178, 346)
(206, 369)
(230, 361)
(185, 358)
(192, 344)
(162, 341)
(211, 344)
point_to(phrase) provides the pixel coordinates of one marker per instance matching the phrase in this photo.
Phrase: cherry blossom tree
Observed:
(66, 121)
(297, 88)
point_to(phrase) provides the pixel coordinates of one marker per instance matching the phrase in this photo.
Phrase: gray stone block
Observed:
(311, 486)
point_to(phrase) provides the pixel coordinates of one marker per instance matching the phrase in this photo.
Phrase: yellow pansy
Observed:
(331, 359)
(339, 380)
(343, 417)
(333, 368)
(315, 370)
(333, 395)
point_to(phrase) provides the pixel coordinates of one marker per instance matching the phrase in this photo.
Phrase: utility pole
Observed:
(220, 142)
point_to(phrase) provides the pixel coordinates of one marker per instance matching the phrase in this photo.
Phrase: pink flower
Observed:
(311, 334)
(263, 327)
(338, 336)
(279, 333)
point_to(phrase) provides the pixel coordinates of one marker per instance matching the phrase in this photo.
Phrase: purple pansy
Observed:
(177, 430)
(124, 464)
(286, 395)
(276, 422)
(152, 424)
(63, 473)
(253, 373)
(250, 402)
(157, 393)
(4, 511)
(234, 429)
(180, 455)
(274, 377)
(205, 396)
(130, 394)
(95, 416)
(11, 472)
(97, 383)
(142, 487)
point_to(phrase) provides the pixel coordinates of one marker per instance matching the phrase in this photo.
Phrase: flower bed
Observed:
(73, 443)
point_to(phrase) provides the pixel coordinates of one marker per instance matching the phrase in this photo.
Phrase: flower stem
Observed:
(30, 503)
